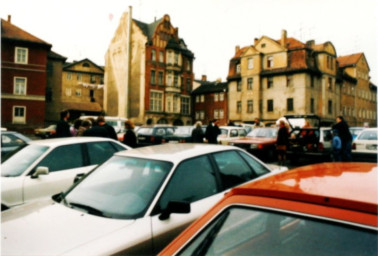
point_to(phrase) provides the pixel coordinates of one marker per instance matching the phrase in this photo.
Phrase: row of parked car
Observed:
(96, 196)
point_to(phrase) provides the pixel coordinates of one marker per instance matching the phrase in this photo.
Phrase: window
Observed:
(170, 58)
(188, 84)
(233, 169)
(330, 106)
(197, 98)
(216, 97)
(78, 92)
(216, 113)
(156, 101)
(188, 66)
(79, 77)
(290, 104)
(270, 105)
(176, 58)
(250, 106)
(221, 113)
(21, 55)
(238, 68)
(185, 105)
(270, 82)
(99, 152)
(170, 79)
(221, 96)
(161, 78)
(330, 83)
(19, 115)
(289, 81)
(270, 62)
(239, 86)
(193, 180)
(312, 105)
(153, 55)
(153, 77)
(68, 91)
(161, 57)
(176, 102)
(250, 63)
(93, 79)
(202, 98)
(19, 86)
(202, 114)
(238, 107)
(250, 83)
(175, 80)
(69, 76)
(86, 65)
(63, 158)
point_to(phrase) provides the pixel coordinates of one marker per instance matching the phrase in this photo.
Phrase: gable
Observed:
(268, 45)
(85, 65)
(250, 51)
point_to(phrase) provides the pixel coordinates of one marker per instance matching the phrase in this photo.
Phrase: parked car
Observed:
(10, 141)
(365, 146)
(260, 142)
(355, 131)
(183, 134)
(309, 141)
(322, 209)
(155, 134)
(230, 132)
(135, 203)
(47, 132)
(43, 168)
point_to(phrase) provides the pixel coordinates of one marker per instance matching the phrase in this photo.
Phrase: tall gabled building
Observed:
(148, 73)
(24, 60)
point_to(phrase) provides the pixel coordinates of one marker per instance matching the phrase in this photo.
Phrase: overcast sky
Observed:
(80, 29)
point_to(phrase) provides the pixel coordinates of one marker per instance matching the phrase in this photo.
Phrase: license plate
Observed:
(371, 147)
(141, 138)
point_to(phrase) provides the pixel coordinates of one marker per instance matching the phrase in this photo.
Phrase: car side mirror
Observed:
(174, 207)
(41, 170)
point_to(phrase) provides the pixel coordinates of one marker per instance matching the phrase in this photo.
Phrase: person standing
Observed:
(257, 123)
(97, 130)
(111, 131)
(197, 133)
(282, 142)
(62, 127)
(212, 132)
(129, 138)
(346, 138)
(85, 125)
(336, 146)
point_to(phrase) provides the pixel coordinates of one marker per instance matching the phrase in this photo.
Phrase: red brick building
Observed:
(23, 78)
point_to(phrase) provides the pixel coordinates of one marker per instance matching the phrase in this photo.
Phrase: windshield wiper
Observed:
(87, 208)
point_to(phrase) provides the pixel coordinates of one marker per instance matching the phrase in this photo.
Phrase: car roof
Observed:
(68, 140)
(343, 185)
(175, 152)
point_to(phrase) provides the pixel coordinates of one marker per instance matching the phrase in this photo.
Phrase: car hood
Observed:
(49, 228)
(254, 140)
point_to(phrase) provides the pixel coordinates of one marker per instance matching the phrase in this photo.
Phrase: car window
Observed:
(233, 133)
(233, 169)
(63, 158)
(99, 152)
(327, 135)
(192, 180)
(258, 168)
(145, 130)
(368, 135)
(242, 133)
(160, 131)
(170, 131)
(247, 231)
(10, 140)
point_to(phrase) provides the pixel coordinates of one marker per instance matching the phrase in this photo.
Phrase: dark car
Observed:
(153, 135)
(10, 141)
(183, 134)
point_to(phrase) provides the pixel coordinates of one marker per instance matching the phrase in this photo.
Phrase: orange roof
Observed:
(343, 185)
(349, 60)
(10, 31)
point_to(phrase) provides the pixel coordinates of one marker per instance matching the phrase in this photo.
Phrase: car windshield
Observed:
(247, 231)
(121, 188)
(183, 131)
(16, 164)
(265, 133)
(145, 130)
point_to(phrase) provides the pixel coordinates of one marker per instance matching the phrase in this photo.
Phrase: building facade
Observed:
(276, 77)
(148, 73)
(24, 60)
(210, 101)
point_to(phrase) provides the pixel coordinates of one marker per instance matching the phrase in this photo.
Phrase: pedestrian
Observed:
(336, 146)
(111, 131)
(282, 142)
(75, 127)
(97, 130)
(62, 127)
(212, 132)
(257, 123)
(197, 133)
(85, 125)
(129, 138)
(346, 138)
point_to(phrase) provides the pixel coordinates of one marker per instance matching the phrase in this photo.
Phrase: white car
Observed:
(43, 168)
(229, 133)
(366, 144)
(134, 203)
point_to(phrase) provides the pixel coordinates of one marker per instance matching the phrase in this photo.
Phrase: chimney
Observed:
(237, 48)
(219, 80)
(310, 43)
(283, 38)
(204, 78)
(256, 39)
(9, 18)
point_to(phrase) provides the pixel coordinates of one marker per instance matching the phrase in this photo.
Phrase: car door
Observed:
(64, 163)
(194, 181)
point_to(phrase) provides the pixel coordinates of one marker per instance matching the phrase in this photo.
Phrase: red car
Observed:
(321, 209)
(260, 142)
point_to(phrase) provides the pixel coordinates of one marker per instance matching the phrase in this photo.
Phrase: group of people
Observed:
(210, 135)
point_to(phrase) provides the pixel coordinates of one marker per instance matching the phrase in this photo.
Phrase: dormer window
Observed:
(86, 65)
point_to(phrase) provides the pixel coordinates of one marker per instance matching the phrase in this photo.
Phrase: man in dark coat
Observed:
(62, 127)
(212, 132)
(346, 138)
